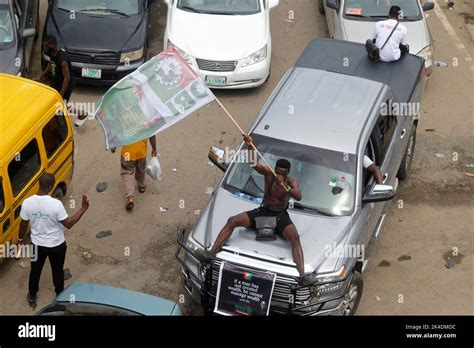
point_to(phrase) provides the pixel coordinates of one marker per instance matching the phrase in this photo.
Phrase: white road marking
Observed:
(447, 26)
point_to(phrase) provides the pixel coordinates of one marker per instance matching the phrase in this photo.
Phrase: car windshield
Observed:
(380, 8)
(7, 35)
(225, 7)
(326, 177)
(102, 7)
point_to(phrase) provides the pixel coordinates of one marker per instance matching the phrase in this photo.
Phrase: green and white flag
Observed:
(158, 94)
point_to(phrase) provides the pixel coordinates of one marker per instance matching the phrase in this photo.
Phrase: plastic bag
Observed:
(153, 169)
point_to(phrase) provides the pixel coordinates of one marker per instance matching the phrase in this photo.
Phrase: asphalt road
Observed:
(431, 217)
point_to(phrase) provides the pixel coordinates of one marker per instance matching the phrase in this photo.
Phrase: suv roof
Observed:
(329, 110)
(330, 55)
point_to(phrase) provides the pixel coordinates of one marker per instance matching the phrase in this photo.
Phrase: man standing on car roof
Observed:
(59, 67)
(393, 35)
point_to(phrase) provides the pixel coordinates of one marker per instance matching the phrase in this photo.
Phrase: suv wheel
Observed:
(405, 166)
(321, 7)
(351, 299)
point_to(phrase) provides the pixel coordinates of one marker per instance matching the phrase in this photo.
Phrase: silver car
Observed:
(354, 20)
(324, 117)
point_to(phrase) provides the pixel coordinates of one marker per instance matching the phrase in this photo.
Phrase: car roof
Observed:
(22, 104)
(122, 298)
(350, 58)
(320, 109)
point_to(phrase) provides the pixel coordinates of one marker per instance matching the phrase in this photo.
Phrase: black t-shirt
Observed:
(57, 71)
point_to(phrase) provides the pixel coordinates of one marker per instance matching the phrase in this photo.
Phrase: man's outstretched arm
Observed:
(259, 168)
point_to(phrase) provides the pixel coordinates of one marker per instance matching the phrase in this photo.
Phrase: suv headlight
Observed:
(183, 54)
(131, 56)
(254, 58)
(196, 248)
(427, 54)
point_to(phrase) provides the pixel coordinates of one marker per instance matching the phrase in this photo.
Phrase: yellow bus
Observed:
(36, 136)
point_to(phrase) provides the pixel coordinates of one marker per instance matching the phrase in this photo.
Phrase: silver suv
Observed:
(332, 108)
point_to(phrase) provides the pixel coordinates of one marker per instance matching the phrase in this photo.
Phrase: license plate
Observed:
(91, 73)
(215, 80)
(242, 291)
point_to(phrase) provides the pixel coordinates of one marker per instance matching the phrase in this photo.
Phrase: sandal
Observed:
(129, 206)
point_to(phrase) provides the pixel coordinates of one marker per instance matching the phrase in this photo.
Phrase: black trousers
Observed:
(56, 256)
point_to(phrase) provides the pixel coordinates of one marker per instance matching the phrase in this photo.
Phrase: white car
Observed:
(354, 20)
(227, 41)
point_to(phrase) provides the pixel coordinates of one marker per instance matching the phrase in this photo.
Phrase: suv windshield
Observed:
(6, 26)
(326, 177)
(379, 8)
(225, 7)
(102, 7)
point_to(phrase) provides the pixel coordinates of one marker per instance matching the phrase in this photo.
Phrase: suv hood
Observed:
(317, 233)
(360, 31)
(217, 37)
(97, 33)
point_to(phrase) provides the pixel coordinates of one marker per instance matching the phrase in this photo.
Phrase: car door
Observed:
(29, 20)
(5, 210)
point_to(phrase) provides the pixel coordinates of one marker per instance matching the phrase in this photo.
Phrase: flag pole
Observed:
(243, 133)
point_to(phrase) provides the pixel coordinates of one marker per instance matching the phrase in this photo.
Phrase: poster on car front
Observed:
(243, 292)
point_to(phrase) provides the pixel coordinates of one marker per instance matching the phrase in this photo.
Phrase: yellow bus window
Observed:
(54, 134)
(2, 196)
(24, 166)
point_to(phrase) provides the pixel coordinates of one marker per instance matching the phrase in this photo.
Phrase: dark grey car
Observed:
(19, 27)
(329, 111)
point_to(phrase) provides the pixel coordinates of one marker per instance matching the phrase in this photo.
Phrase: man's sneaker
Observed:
(79, 122)
(31, 300)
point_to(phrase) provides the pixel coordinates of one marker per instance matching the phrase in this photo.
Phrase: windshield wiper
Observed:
(314, 209)
(189, 8)
(105, 10)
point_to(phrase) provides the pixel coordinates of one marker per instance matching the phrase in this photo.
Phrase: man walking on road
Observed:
(48, 217)
(133, 163)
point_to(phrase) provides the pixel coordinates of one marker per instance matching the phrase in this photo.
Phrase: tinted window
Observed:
(378, 9)
(386, 126)
(2, 196)
(6, 26)
(24, 166)
(54, 134)
(102, 7)
(241, 7)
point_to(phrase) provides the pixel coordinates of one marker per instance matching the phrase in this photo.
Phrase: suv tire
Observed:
(353, 295)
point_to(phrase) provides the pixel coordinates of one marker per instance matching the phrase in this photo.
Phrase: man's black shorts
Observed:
(282, 222)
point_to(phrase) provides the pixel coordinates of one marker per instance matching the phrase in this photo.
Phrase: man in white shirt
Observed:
(373, 169)
(391, 51)
(48, 219)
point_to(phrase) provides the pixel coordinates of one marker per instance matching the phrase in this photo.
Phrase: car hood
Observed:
(122, 298)
(98, 33)
(7, 60)
(317, 233)
(217, 37)
(360, 31)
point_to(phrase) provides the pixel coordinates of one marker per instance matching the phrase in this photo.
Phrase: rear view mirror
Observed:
(216, 156)
(30, 32)
(428, 6)
(332, 4)
(380, 193)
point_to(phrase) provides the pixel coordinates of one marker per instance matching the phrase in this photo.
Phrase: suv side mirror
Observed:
(332, 4)
(216, 156)
(30, 32)
(428, 6)
(380, 193)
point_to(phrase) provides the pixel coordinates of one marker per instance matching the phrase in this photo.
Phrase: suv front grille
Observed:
(284, 291)
(94, 58)
(219, 66)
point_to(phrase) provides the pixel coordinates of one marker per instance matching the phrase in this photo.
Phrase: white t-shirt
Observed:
(44, 212)
(367, 162)
(391, 51)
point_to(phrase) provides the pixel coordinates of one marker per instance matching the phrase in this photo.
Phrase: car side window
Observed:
(24, 166)
(18, 10)
(386, 126)
(2, 196)
(54, 134)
